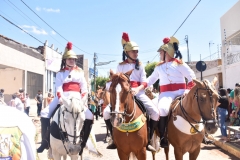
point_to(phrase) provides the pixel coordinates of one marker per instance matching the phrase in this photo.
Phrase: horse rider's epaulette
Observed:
(76, 69)
(178, 61)
(125, 62)
(160, 63)
(175, 60)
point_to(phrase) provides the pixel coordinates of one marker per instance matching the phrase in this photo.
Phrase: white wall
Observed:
(14, 58)
(230, 20)
(232, 75)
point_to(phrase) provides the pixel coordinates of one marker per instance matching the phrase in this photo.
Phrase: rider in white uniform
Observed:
(172, 73)
(138, 82)
(70, 80)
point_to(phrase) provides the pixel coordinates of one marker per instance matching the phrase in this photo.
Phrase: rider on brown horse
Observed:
(138, 82)
(171, 72)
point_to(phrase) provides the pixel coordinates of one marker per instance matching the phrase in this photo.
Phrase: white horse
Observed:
(69, 118)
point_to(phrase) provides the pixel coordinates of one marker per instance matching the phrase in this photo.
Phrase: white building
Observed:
(230, 36)
(21, 66)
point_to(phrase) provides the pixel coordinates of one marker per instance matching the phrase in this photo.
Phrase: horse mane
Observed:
(76, 108)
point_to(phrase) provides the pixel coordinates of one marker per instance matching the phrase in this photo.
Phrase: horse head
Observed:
(120, 96)
(71, 121)
(203, 98)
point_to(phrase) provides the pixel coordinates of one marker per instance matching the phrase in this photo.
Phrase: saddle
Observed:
(140, 105)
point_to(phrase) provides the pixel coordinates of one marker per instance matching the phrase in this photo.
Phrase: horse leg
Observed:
(122, 155)
(56, 155)
(194, 154)
(142, 155)
(153, 155)
(178, 153)
(166, 151)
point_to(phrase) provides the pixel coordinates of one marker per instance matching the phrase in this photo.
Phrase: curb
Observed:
(227, 147)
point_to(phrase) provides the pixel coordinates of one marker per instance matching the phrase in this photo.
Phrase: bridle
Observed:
(64, 135)
(204, 120)
(126, 107)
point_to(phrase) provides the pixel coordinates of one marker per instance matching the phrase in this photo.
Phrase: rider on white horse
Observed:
(138, 82)
(70, 80)
(171, 72)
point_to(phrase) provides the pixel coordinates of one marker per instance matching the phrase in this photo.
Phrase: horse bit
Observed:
(213, 120)
(126, 106)
(64, 137)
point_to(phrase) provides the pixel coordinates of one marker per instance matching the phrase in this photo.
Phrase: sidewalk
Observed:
(232, 146)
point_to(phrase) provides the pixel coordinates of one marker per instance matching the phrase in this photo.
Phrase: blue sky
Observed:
(97, 26)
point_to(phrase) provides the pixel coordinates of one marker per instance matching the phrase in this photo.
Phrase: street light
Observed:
(98, 64)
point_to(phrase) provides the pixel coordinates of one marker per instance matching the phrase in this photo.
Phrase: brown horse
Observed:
(126, 115)
(190, 116)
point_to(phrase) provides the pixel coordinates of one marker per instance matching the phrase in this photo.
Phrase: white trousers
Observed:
(47, 112)
(165, 100)
(150, 107)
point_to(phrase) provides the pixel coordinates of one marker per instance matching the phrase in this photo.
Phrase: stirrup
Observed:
(164, 143)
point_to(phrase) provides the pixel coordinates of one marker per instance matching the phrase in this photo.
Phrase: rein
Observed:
(201, 113)
(126, 108)
(62, 136)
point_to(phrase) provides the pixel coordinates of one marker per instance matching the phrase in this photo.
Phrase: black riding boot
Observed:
(45, 127)
(109, 126)
(87, 126)
(152, 125)
(162, 130)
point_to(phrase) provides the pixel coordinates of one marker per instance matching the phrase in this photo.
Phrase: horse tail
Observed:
(132, 156)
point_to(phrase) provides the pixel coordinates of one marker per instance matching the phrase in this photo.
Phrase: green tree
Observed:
(100, 81)
(149, 68)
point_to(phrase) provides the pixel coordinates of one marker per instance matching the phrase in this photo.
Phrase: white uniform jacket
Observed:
(68, 81)
(172, 75)
(137, 77)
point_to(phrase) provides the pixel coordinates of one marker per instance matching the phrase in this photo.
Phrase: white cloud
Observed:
(182, 48)
(34, 29)
(53, 33)
(38, 8)
(48, 9)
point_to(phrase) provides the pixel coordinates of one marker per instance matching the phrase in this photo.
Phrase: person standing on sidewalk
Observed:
(27, 104)
(222, 111)
(39, 99)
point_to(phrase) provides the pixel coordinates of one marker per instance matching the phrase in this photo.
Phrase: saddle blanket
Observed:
(182, 125)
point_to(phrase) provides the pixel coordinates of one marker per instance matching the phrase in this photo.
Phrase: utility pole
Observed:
(94, 59)
(186, 39)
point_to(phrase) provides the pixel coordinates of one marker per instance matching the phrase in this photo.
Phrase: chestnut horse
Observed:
(190, 116)
(126, 115)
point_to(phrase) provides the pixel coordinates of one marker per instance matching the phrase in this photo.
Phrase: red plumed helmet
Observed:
(69, 46)
(125, 37)
(166, 40)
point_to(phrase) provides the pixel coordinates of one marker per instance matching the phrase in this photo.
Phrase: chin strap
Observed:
(136, 60)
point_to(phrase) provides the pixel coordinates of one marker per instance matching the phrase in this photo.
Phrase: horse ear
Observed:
(214, 81)
(111, 72)
(129, 72)
(197, 82)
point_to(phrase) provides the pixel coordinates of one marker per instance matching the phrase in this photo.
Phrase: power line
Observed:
(29, 18)
(21, 29)
(52, 27)
(187, 17)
